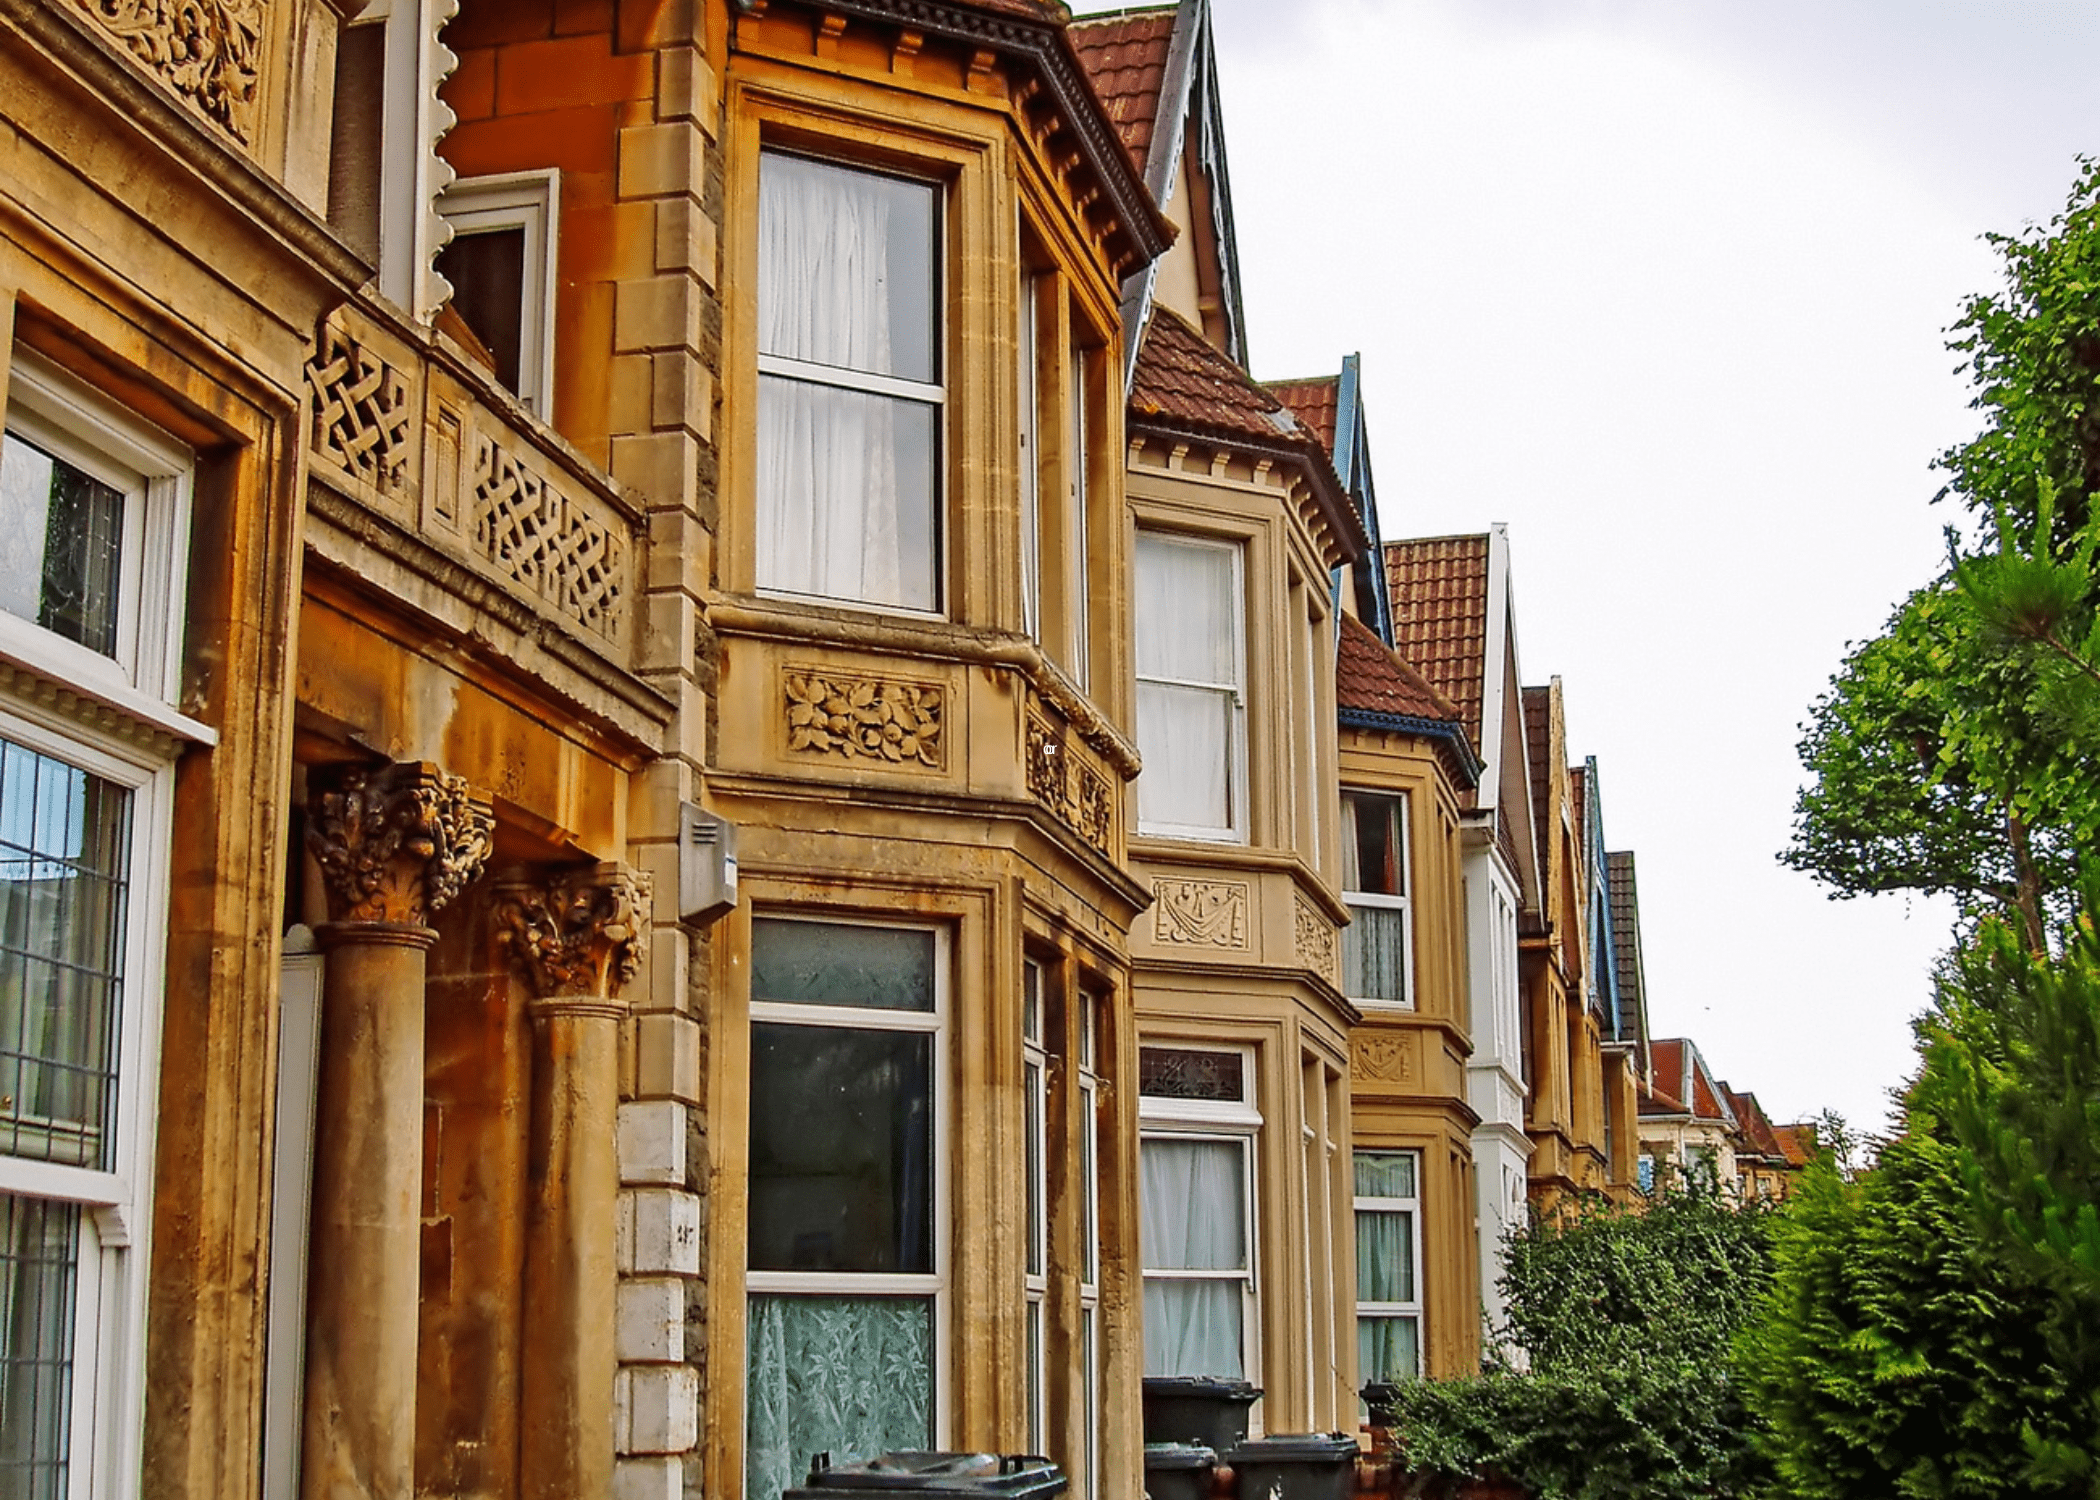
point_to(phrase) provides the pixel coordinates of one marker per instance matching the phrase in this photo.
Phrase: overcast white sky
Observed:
(1662, 285)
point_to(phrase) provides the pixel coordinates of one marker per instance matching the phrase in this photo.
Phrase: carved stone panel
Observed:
(1316, 944)
(1384, 1058)
(207, 51)
(365, 421)
(1200, 913)
(1064, 780)
(549, 543)
(861, 717)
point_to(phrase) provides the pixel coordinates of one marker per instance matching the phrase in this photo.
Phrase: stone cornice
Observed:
(1042, 42)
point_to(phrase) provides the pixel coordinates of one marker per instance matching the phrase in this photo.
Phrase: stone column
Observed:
(576, 939)
(394, 845)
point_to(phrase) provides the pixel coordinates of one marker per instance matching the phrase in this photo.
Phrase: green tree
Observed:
(1627, 1315)
(1898, 1357)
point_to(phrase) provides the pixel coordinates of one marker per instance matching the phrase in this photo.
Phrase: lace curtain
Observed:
(1193, 1218)
(1188, 650)
(848, 1376)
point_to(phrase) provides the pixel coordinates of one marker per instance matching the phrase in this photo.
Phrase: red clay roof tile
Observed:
(1125, 56)
(1439, 589)
(1371, 677)
(1182, 378)
(1315, 402)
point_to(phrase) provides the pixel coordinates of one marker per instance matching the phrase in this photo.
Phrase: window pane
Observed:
(487, 270)
(1187, 618)
(1374, 953)
(1192, 1214)
(1387, 1349)
(61, 543)
(1193, 1327)
(1385, 1174)
(846, 268)
(1089, 1192)
(64, 858)
(1185, 737)
(835, 963)
(841, 1149)
(1032, 1111)
(846, 494)
(1385, 1256)
(1186, 1073)
(848, 1376)
(37, 1260)
(1380, 830)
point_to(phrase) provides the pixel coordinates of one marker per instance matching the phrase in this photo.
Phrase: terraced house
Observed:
(689, 775)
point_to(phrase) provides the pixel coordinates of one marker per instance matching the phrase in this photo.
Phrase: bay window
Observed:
(1196, 1210)
(1378, 943)
(1388, 1263)
(850, 393)
(1191, 684)
(846, 1210)
(93, 527)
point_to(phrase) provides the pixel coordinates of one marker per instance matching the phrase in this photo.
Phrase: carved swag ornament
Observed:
(578, 934)
(397, 843)
(1202, 913)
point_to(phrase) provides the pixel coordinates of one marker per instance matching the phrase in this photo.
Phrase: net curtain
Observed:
(830, 519)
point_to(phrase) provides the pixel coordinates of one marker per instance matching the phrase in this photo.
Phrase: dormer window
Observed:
(850, 393)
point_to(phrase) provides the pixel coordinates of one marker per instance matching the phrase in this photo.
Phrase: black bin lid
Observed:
(1207, 1387)
(1165, 1456)
(1010, 1474)
(1296, 1448)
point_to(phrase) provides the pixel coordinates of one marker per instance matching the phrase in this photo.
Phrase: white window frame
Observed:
(1077, 498)
(1089, 1098)
(1413, 1208)
(1214, 1120)
(932, 393)
(1236, 777)
(1379, 900)
(141, 681)
(1031, 458)
(1035, 1073)
(530, 201)
(933, 1285)
(69, 420)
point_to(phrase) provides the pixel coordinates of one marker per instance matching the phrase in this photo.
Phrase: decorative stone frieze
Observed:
(1384, 1059)
(578, 934)
(207, 51)
(1066, 783)
(865, 718)
(395, 844)
(1200, 913)
(364, 420)
(549, 543)
(1316, 945)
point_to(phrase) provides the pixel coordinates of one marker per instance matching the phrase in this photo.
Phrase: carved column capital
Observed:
(395, 844)
(576, 937)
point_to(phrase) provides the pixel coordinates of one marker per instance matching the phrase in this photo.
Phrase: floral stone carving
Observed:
(1066, 784)
(1316, 945)
(207, 51)
(1389, 1059)
(577, 934)
(395, 844)
(1200, 913)
(864, 718)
